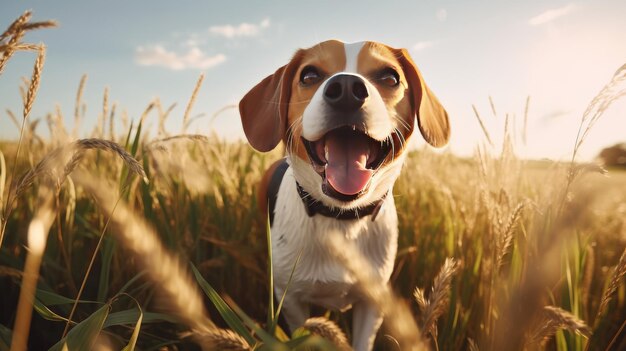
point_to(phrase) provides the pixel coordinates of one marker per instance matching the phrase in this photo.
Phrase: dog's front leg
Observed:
(295, 311)
(366, 320)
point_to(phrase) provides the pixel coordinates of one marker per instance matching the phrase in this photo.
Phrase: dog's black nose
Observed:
(346, 92)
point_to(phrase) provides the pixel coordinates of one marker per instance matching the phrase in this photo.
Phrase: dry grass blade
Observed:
(179, 294)
(78, 104)
(102, 119)
(3, 180)
(112, 122)
(400, 322)
(525, 126)
(437, 302)
(221, 340)
(37, 236)
(163, 115)
(614, 283)
(493, 107)
(554, 319)
(191, 102)
(159, 144)
(13, 118)
(327, 330)
(482, 125)
(145, 112)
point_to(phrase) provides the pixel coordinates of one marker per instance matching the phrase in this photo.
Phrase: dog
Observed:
(345, 113)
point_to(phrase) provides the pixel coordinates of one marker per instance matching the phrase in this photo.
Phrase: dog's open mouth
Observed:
(346, 159)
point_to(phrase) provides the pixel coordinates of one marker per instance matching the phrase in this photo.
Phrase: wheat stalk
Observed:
(17, 25)
(221, 340)
(506, 235)
(16, 32)
(612, 91)
(327, 330)
(438, 301)
(554, 319)
(616, 279)
(32, 91)
(73, 153)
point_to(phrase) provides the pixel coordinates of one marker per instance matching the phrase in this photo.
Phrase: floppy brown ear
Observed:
(432, 118)
(264, 108)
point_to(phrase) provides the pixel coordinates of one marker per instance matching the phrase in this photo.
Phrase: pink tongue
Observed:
(347, 157)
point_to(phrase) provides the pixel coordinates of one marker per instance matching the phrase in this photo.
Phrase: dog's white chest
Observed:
(318, 278)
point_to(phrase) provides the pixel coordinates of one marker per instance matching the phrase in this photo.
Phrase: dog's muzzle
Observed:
(346, 157)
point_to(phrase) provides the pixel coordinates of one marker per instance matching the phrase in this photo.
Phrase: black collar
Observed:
(313, 207)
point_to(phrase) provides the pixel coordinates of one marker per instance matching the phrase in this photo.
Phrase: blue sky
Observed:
(560, 53)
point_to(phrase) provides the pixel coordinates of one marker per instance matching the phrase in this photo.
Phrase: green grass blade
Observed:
(135, 146)
(46, 313)
(83, 335)
(268, 340)
(224, 310)
(48, 298)
(131, 316)
(133, 339)
(131, 281)
(282, 298)
(271, 318)
(107, 256)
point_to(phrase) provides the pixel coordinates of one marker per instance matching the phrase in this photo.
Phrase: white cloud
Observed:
(421, 45)
(552, 14)
(442, 15)
(241, 30)
(194, 58)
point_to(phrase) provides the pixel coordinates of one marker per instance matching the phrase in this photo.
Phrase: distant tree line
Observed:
(614, 156)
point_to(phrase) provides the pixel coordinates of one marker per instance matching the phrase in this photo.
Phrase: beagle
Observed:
(345, 112)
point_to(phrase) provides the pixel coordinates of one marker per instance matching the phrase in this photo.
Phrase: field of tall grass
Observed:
(124, 240)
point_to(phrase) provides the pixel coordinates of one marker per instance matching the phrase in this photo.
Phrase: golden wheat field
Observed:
(125, 240)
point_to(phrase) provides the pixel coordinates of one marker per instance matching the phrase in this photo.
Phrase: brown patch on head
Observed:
(329, 58)
(431, 117)
(374, 58)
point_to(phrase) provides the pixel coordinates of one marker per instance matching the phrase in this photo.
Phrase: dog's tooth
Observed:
(326, 153)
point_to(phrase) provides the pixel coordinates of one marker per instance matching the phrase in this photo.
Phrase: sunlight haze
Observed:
(560, 53)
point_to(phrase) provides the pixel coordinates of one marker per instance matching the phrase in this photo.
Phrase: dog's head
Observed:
(345, 113)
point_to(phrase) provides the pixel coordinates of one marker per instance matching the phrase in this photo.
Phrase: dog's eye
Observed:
(309, 75)
(389, 77)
